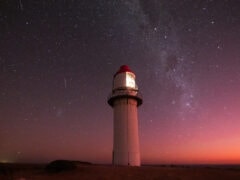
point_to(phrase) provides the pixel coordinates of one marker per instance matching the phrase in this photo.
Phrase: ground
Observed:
(102, 172)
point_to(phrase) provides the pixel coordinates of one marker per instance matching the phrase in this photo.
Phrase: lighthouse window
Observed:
(130, 81)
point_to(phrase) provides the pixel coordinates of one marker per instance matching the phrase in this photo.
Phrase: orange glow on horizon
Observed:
(205, 150)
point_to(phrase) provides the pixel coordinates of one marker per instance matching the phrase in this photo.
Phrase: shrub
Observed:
(60, 165)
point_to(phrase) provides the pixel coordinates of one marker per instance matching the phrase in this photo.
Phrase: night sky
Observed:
(58, 58)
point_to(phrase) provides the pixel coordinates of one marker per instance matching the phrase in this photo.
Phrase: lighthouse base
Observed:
(126, 159)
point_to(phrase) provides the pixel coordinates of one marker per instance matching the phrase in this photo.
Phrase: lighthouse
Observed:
(125, 99)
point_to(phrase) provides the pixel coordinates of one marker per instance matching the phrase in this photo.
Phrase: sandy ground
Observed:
(101, 172)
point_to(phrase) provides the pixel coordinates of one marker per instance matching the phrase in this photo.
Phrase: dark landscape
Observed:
(90, 171)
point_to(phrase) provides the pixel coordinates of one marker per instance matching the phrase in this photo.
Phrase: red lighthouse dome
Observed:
(122, 69)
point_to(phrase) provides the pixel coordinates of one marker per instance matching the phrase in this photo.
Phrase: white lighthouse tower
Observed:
(125, 99)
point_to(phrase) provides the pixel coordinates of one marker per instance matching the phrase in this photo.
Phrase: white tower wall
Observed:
(126, 139)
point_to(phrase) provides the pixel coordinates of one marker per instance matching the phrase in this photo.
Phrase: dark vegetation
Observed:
(63, 165)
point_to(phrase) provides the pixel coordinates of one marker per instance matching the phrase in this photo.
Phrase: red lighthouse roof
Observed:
(123, 68)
